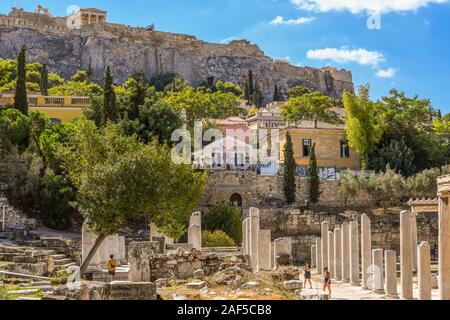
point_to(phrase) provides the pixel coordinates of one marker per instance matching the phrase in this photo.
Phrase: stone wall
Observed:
(127, 49)
(303, 228)
(263, 191)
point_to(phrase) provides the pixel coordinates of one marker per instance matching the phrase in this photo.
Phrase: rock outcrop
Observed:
(127, 50)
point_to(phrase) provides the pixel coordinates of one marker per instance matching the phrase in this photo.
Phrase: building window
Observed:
(216, 160)
(307, 147)
(345, 149)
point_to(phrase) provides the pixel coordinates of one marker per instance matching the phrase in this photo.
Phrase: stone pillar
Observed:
(424, 271)
(337, 254)
(406, 259)
(254, 230)
(244, 237)
(122, 248)
(366, 249)
(87, 242)
(354, 253)
(319, 255)
(390, 257)
(377, 271)
(331, 253)
(345, 252)
(272, 254)
(140, 257)
(324, 237)
(313, 256)
(414, 243)
(195, 230)
(444, 237)
(282, 246)
(264, 250)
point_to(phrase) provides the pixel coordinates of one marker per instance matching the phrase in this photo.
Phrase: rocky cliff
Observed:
(128, 50)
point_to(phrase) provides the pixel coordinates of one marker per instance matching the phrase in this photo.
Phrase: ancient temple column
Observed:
(377, 271)
(390, 258)
(444, 237)
(331, 253)
(337, 254)
(345, 252)
(313, 256)
(406, 260)
(244, 236)
(366, 249)
(424, 271)
(253, 237)
(319, 255)
(324, 237)
(414, 239)
(354, 253)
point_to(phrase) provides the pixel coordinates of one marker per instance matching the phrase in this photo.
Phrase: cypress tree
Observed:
(246, 93)
(276, 94)
(289, 170)
(89, 71)
(109, 111)
(314, 180)
(20, 97)
(251, 88)
(44, 81)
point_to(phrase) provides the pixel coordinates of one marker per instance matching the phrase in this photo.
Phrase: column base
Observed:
(355, 284)
(378, 291)
(392, 296)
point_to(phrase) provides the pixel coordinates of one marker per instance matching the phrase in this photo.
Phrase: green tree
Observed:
(14, 128)
(276, 94)
(397, 155)
(161, 81)
(362, 127)
(54, 80)
(217, 239)
(298, 91)
(349, 185)
(314, 180)
(38, 122)
(310, 106)
(289, 170)
(44, 81)
(80, 76)
(121, 179)
(89, 71)
(227, 87)
(51, 140)
(20, 97)
(251, 85)
(135, 96)
(224, 217)
(109, 111)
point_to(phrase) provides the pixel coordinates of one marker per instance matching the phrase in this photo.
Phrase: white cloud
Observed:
(343, 55)
(387, 73)
(279, 20)
(371, 6)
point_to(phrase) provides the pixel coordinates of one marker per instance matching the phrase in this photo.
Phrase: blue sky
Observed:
(410, 51)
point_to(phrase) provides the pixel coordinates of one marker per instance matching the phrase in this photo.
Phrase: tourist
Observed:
(307, 275)
(112, 265)
(327, 281)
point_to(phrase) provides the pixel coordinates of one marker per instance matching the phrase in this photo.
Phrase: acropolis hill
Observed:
(67, 44)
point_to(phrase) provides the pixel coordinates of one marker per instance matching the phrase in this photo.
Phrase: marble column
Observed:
(414, 243)
(424, 271)
(244, 236)
(390, 287)
(354, 253)
(313, 256)
(337, 254)
(444, 237)
(324, 237)
(345, 249)
(406, 256)
(253, 237)
(366, 249)
(377, 271)
(319, 255)
(264, 250)
(331, 253)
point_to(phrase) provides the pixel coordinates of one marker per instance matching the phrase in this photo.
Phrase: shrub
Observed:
(217, 238)
(226, 218)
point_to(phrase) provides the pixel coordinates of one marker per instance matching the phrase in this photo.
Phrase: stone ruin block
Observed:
(139, 256)
(132, 291)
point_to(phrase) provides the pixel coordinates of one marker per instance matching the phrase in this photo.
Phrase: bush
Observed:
(216, 239)
(226, 218)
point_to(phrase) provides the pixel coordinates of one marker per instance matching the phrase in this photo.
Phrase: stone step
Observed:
(58, 256)
(45, 288)
(27, 298)
(65, 266)
(41, 283)
(62, 262)
(24, 291)
(23, 276)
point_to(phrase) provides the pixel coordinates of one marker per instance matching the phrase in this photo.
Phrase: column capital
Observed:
(443, 185)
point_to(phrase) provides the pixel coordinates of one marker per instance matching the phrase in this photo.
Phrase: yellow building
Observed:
(57, 109)
(332, 150)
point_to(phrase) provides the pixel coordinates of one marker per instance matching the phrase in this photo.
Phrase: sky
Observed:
(402, 44)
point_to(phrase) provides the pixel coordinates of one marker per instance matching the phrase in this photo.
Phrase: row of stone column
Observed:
(258, 245)
(339, 252)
